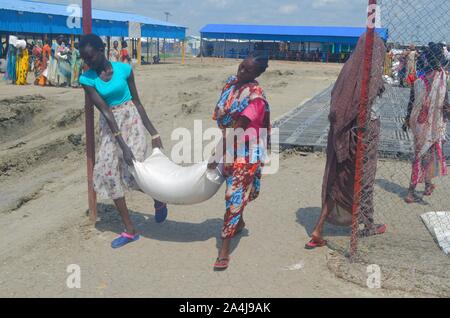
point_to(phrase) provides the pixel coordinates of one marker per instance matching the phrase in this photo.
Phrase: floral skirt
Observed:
(111, 175)
(243, 181)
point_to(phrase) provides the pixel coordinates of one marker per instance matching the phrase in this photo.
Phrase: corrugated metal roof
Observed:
(57, 9)
(274, 30)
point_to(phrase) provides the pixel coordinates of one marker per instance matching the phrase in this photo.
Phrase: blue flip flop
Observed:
(124, 239)
(161, 212)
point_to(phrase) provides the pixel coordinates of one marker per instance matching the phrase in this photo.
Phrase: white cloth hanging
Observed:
(170, 183)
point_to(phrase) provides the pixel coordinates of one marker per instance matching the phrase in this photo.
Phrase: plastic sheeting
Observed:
(438, 223)
(168, 182)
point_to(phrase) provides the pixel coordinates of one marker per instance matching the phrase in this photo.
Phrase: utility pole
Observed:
(89, 115)
(168, 14)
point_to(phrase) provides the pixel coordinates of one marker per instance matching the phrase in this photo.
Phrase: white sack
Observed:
(438, 223)
(170, 183)
(13, 40)
(21, 44)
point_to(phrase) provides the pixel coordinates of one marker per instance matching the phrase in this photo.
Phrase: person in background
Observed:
(114, 53)
(411, 71)
(242, 106)
(63, 66)
(22, 66)
(402, 69)
(428, 112)
(37, 59)
(124, 55)
(52, 72)
(76, 64)
(46, 54)
(446, 56)
(340, 171)
(11, 64)
(388, 61)
(123, 123)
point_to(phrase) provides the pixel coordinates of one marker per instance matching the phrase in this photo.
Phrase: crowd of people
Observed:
(405, 66)
(54, 63)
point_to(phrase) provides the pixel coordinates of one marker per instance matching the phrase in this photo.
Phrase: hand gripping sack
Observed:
(170, 183)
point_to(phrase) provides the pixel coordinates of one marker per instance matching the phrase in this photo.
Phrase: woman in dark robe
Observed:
(339, 178)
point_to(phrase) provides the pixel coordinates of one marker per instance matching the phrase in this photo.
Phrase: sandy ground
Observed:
(44, 201)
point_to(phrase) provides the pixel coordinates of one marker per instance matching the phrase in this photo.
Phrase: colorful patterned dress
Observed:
(64, 72)
(428, 125)
(46, 54)
(22, 66)
(243, 174)
(76, 65)
(11, 74)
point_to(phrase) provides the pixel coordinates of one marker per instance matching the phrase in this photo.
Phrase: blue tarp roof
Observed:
(286, 33)
(33, 17)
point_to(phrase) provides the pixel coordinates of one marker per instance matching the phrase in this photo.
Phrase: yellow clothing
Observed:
(22, 67)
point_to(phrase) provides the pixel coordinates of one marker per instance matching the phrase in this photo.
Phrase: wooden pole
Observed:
(157, 47)
(139, 51)
(108, 43)
(151, 48)
(89, 115)
(164, 49)
(201, 48)
(183, 52)
(362, 127)
(224, 47)
(72, 41)
(147, 51)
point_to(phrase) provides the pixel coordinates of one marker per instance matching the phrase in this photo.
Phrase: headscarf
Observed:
(234, 101)
(346, 94)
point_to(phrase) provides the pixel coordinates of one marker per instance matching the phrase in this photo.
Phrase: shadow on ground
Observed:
(169, 231)
(392, 187)
(308, 218)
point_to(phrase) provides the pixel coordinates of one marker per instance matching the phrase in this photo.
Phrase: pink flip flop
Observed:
(311, 245)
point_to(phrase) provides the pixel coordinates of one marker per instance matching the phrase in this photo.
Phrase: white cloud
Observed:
(197, 13)
(219, 3)
(288, 8)
(324, 3)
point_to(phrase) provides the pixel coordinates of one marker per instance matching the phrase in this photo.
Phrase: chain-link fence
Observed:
(406, 187)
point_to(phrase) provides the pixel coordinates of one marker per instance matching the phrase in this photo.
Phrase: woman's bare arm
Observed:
(145, 119)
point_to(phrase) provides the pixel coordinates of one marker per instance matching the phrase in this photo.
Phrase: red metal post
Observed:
(89, 115)
(87, 16)
(362, 123)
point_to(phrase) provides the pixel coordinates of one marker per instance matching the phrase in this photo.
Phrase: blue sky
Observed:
(196, 13)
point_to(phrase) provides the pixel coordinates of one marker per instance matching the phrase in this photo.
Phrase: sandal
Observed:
(221, 264)
(429, 190)
(315, 243)
(124, 239)
(161, 212)
(414, 198)
(378, 229)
